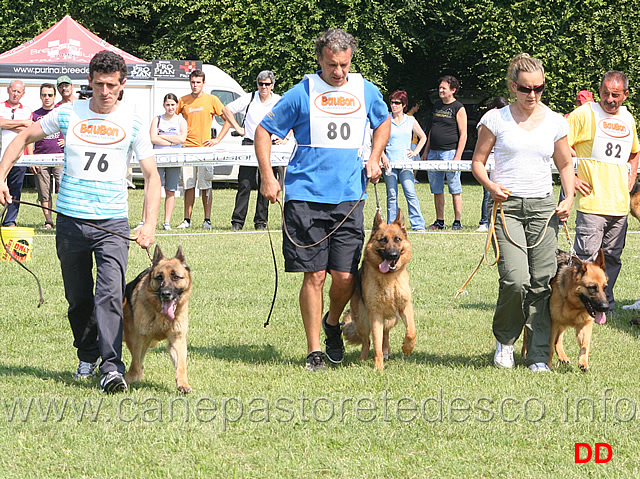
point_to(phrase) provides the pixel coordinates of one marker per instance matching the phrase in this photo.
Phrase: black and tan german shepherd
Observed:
(578, 298)
(383, 293)
(156, 307)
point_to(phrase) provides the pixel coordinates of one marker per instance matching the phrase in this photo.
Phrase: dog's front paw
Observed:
(184, 388)
(583, 366)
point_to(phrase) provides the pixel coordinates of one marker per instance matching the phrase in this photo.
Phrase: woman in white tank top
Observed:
(168, 131)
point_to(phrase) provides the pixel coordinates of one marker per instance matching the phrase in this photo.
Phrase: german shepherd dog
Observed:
(578, 298)
(156, 307)
(383, 292)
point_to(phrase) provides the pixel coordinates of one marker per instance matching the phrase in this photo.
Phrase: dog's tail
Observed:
(349, 329)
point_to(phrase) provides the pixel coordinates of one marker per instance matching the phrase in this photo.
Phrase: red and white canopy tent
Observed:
(64, 49)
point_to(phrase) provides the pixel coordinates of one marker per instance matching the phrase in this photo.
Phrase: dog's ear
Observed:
(157, 255)
(376, 222)
(578, 265)
(400, 219)
(180, 256)
(600, 259)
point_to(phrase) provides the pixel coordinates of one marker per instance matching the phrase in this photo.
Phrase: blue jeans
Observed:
(408, 186)
(484, 214)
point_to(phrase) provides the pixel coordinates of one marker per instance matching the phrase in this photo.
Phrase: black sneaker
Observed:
(334, 345)
(261, 227)
(112, 382)
(456, 226)
(437, 226)
(315, 362)
(236, 226)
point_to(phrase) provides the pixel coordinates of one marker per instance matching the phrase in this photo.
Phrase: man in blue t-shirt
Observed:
(329, 113)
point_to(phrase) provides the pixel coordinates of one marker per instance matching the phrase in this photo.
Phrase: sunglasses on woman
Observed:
(527, 90)
(394, 102)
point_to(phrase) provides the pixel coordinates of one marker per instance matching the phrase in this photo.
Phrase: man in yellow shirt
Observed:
(605, 139)
(198, 108)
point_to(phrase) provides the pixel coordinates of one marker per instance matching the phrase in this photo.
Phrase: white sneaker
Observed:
(539, 368)
(206, 225)
(503, 358)
(482, 229)
(166, 226)
(635, 305)
(184, 224)
(86, 370)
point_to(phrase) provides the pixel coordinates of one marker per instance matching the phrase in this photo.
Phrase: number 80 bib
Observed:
(337, 115)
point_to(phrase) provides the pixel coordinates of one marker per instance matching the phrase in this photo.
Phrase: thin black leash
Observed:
(286, 231)
(88, 223)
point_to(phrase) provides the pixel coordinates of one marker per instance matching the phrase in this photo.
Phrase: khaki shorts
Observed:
(44, 184)
(197, 176)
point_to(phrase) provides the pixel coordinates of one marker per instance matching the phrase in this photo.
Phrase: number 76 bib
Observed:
(337, 115)
(97, 146)
(614, 136)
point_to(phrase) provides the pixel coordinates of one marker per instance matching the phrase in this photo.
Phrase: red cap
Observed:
(584, 96)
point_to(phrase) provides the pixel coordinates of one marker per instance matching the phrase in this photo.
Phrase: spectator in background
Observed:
(168, 131)
(47, 177)
(65, 88)
(411, 111)
(198, 108)
(255, 106)
(14, 117)
(497, 102)
(446, 141)
(400, 150)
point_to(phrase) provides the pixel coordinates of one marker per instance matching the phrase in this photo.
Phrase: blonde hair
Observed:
(523, 62)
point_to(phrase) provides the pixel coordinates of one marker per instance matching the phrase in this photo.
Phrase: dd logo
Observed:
(589, 452)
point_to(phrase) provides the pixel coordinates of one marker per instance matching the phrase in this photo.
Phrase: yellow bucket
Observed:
(19, 241)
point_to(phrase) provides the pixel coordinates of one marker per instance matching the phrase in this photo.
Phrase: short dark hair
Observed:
(617, 76)
(108, 62)
(47, 85)
(453, 82)
(336, 40)
(170, 96)
(400, 95)
(497, 102)
(197, 74)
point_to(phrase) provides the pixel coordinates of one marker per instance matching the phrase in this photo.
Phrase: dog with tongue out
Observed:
(156, 307)
(383, 292)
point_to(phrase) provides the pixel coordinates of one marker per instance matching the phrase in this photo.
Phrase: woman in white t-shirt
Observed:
(526, 137)
(168, 131)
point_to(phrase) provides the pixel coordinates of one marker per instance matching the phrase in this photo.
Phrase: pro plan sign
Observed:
(174, 69)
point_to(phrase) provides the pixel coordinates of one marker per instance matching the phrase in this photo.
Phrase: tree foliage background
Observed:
(404, 44)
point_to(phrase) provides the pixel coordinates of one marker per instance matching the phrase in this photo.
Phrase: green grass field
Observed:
(443, 412)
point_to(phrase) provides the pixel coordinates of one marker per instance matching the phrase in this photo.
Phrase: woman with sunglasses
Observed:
(526, 137)
(398, 152)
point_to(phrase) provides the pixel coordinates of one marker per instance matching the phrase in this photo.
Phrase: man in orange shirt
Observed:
(198, 108)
